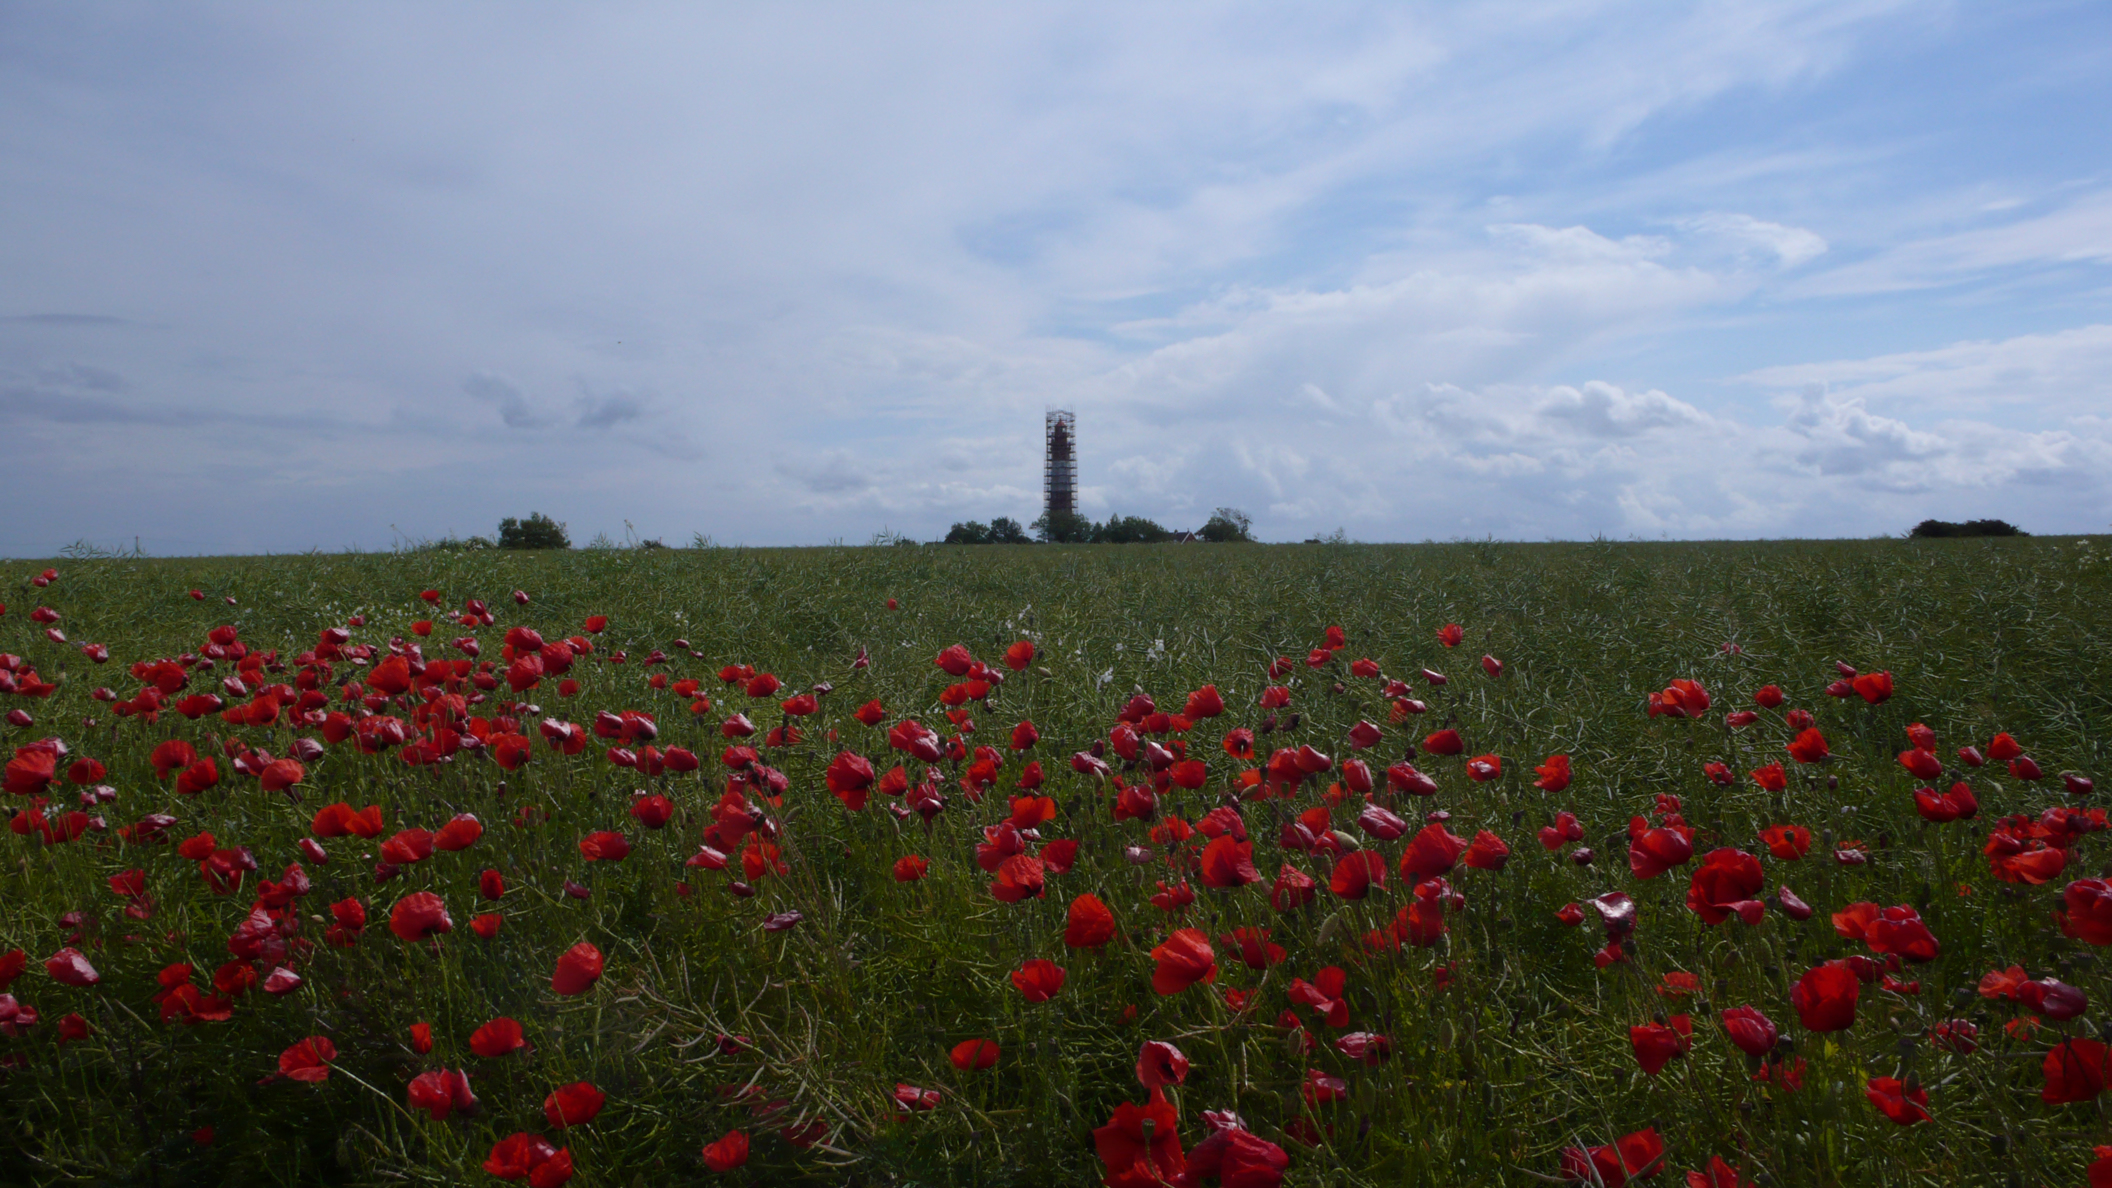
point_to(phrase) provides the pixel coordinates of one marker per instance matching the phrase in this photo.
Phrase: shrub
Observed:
(1130, 530)
(1226, 525)
(1943, 528)
(1002, 530)
(538, 531)
(1062, 528)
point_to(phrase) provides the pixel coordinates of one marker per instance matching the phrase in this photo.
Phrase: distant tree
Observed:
(1062, 528)
(1129, 530)
(1006, 530)
(538, 531)
(969, 532)
(1226, 525)
(1943, 528)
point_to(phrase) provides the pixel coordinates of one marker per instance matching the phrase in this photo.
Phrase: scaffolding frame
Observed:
(1059, 469)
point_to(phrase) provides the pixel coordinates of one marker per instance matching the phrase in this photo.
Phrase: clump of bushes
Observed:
(1945, 528)
(538, 531)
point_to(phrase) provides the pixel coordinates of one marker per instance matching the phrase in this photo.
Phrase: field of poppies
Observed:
(1472, 864)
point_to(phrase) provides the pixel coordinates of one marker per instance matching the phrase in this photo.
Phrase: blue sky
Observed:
(283, 277)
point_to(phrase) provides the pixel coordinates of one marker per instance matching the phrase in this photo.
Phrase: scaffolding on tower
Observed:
(1059, 472)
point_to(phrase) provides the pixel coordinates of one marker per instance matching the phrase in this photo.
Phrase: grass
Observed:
(1524, 1054)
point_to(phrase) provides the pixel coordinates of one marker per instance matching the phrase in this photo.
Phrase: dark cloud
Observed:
(607, 412)
(513, 406)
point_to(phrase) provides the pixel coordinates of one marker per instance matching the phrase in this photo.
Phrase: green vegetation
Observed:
(1509, 1043)
(538, 531)
(1942, 528)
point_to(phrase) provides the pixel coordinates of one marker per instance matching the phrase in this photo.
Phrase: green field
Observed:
(1526, 1051)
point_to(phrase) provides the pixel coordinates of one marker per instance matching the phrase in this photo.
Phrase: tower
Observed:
(1059, 471)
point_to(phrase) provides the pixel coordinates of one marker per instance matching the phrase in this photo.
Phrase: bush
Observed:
(1130, 530)
(1063, 528)
(1002, 530)
(1227, 525)
(1944, 528)
(538, 531)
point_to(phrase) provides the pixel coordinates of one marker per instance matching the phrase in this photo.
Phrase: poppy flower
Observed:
(1727, 883)
(1038, 980)
(1019, 655)
(308, 1061)
(1237, 1159)
(1905, 1104)
(1655, 851)
(2074, 1071)
(578, 968)
(68, 967)
(1293, 888)
(1433, 851)
(1359, 871)
(604, 846)
(419, 914)
(1554, 774)
(497, 1038)
(973, 1055)
(1655, 1044)
(1752, 1032)
(731, 1150)
(441, 1092)
(1019, 877)
(530, 1157)
(1186, 958)
(573, 1105)
(1808, 747)
(1787, 842)
(1324, 994)
(2053, 999)
(1141, 1145)
(910, 867)
(1450, 634)
(1899, 931)
(1228, 862)
(1825, 997)
(1403, 777)
(1205, 702)
(1488, 852)
(1483, 768)
(1445, 742)
(2088, 911)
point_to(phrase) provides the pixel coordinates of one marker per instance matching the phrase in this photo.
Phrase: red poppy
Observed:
(1682, 698)
(510, 750)
(2075, 1071)
(1787, 842)
(604, 846)
(461, 832)
(573, 1105)
(871, 713)
(578, 968)
(1228, 862)
(1825, 997)
(419, 914)
(1655, 1044)
(1141, 1145)
(2002, 748)
(1655, 851)
(2088, 911)
(1433, 851)
(1185, 959)
(1203, 703)
(1905, 1104)
(1752, 1032)
(1019, 655)
(441, 1092)
(308, 1061)
(1324, 994)
(910, 867)
(1808, 747)
(497, 1038)
(1358, 872)
(1483, 768)
(731, 1151)
(1293, 888)
(1450, 634)
(1019, 877)
(1488, 852)
(1445, 742)
(530, 1157)
(1554, 774)
(1038, 980)
(1727, 883)
(974, 1055)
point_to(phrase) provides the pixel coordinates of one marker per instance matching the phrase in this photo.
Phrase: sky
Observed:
(286, 277)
